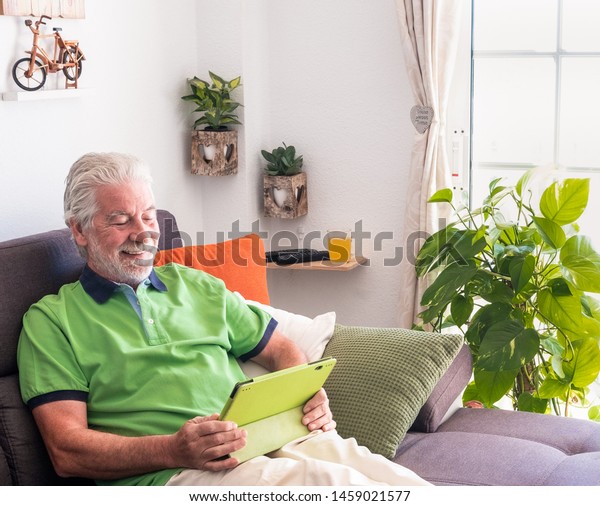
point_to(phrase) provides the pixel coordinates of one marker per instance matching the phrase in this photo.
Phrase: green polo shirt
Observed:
(144, 362)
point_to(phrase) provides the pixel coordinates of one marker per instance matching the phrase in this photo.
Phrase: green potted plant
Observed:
(285, 185)
(214, 148)
(519, 289)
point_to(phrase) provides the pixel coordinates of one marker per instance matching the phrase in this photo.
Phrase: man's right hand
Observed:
(205, 442)
(76, 450)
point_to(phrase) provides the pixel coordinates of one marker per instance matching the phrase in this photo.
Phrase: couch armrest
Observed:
(445, 393)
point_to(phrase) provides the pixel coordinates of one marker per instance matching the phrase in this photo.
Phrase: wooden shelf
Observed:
(74, 9)
(323, 265)
(23, 96)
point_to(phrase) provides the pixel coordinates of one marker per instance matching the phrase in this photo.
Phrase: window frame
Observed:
(559, 56)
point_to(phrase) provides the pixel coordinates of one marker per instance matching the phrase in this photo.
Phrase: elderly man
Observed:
(125, 369)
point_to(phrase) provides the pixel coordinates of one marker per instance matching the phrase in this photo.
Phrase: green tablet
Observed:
(269, 407)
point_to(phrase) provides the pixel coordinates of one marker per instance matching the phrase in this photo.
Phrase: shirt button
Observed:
(150, 321)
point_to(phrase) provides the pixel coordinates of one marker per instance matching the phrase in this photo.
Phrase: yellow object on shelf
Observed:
(339, 249)
(339, 245)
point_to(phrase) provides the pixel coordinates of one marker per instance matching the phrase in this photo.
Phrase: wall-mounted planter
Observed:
(286, 196)
(214, 153)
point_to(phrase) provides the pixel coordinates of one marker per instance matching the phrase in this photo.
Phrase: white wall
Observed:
(327, 77)
(341, 95)
(139, 54)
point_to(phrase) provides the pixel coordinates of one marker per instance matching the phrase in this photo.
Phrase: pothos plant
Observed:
(521, 291)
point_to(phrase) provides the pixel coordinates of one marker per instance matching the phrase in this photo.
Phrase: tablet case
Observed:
(269, 407)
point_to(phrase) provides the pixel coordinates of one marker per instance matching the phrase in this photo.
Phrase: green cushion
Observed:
(382, 378)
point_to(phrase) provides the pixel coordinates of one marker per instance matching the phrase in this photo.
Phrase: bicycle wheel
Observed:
(37, 79)
(71, 55)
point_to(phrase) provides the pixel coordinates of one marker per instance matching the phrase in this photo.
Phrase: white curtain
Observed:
(429, 31)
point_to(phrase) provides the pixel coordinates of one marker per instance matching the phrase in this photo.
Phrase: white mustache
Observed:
(147, 245)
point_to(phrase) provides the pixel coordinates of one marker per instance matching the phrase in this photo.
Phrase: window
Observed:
(535, 96)
(535, 93)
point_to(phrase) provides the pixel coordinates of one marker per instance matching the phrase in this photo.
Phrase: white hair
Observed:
(92, 171)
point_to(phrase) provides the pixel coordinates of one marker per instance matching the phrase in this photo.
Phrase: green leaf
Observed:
(564, 202)
(594, 413)
(507, 345)
(199, 83)
(564, 312)
(492, 386)
(439, 294)
(552, 346)
(552, 387)
(591, 306)
(521, 269)
(444, 195)
(584, 367)
(519, 250)
(590, 315)
(552, 233)
(464, 246)
(496, 196)
(470, 393)
(217, 81)
(557, 365)
(480, 234)
(461, 308)
(523, 182)
(447, 283)
(493, 183)
(560, 287)
(589, 329)
(530, 234)
(234, 83)
(511, 253)
(484, 319)
(268, 156)
(528, 402)
(580, 264)
(434, 251)
(497, 291)
(227, 120)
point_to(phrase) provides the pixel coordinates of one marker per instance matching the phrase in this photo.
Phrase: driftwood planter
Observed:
(295, 201)
(225, 159)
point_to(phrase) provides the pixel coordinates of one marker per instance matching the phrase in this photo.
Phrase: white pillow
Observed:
(310, 334)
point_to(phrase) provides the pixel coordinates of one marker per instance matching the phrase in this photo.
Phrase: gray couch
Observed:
(470, 447)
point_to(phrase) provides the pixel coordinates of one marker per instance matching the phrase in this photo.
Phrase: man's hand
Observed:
(317, 414)
(204, 443)
(280, 353)
(76, 450)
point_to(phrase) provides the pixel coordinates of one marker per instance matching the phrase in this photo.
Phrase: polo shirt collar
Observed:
(101, 289)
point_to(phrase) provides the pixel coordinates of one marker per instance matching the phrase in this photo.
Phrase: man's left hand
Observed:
(317, 414)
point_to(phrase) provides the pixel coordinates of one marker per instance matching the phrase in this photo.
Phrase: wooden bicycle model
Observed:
(30, 73)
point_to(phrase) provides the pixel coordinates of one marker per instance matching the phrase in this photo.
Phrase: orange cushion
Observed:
(240, 263)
